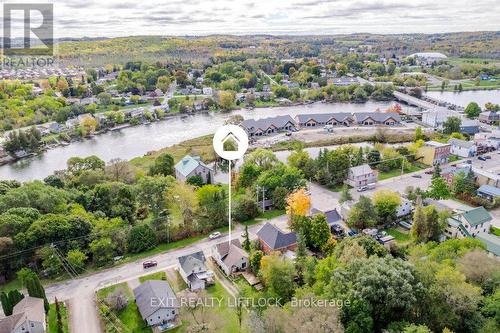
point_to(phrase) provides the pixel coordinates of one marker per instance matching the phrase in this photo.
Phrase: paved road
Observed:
(80, 293)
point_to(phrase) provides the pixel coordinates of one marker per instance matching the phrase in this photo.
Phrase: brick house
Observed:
(273, 239)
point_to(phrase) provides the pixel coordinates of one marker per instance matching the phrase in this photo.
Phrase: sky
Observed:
(111, 18)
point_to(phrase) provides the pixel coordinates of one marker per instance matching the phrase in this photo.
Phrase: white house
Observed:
(28, 316)
(230, 257)
(207, 91)
(404, 208)
(361, 175)
(193, 271)
(156, 302)
(191, 166)
(462, 148)
(469, 223)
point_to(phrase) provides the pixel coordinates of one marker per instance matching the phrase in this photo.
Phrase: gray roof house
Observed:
(191, 166)
(462, 148)
(361, 175)
(332, 216)
(156, 302)
(488, 192)
(273, 239)
(230, 257)
(267, 126)
(28, 316)
(319, 119)
(377, 118)
(489, 117)
(193, 270)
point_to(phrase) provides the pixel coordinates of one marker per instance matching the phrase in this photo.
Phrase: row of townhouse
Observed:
(272, 125)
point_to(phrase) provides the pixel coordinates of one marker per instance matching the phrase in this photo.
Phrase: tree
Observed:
(319, 233)
(298, 203)
(277, 275)
(438, 189)
(213, 207)
(163, 165)
(246, 209)
(419, 135)
(477, 266)
(103, 251)
(451, 125)
(162, 83)
(76, 259)
(35, 289)
(464, 183)
(9, 300)
(255, 258)
(386, 203)
(141, 238)
(472, 110)
(104, 98)
(226, 99)
(279, 197)
(362, 214)
(195, 180)
(345, 195)
(88, 125)
(246, 240)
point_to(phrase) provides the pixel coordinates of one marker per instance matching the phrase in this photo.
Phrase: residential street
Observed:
(79, 293)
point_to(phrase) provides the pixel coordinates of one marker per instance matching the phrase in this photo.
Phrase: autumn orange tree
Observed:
(298, 203)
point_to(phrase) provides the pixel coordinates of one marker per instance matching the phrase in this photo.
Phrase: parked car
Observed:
(288, 134)
(352, 233)
(149, 264)
(488, 157)
(482, 158)
(362, 188)
(214, 235)
(429, 172)
(417, 176)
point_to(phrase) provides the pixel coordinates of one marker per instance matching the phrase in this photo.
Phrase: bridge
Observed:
(414, 101)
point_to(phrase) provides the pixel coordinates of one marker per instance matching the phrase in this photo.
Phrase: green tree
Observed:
(345, 195)
(319, 232)
(419, 135)
(246, 209)
(76, 259)
(438, 189)
(452, 125)
(103, 251)
(246, 240)
(163, 165)
(35, 289)
(278, 276)
(472, 110)
(362, 214)
(386, 203)
(255, 258)
(141, 238)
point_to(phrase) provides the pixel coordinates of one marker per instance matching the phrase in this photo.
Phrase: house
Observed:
(432, 153)
(332, 216)
(449, 172)
(428, 57)
(194, 272)
(377, 118)
(266, 204)
(267, 126)
(469, 223)
(156, 302)
(489, 117)
(462, 148)
(273, 239)
(343, 81)
(191, 166)
(491, 139)
(488, 192)
(360, 175)
(231, 258)
(321, 119)
(404, 208)
(484, 177)
(492, 243)
(28, 316)
(469, 127)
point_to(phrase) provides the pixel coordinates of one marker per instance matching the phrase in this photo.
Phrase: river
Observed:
(463, 98)
(138, 140)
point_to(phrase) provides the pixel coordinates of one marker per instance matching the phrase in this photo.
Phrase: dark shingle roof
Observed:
(323, 117)
(264, 123)
(275, 238)
(332, 216)
(377, 116)
(154, 295)
(192, 261)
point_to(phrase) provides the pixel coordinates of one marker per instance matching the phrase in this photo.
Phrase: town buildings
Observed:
(361, 175)
(156, 302)
(462, 148)
(231, 258)
(432, 153)
(194, 272)
(191, 166)
(28, 316)
(273, 239)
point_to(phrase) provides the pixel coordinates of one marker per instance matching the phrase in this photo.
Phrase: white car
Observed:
(214, 235)
(362, 188)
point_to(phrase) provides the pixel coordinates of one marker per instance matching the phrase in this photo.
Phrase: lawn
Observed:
(175, 280)
(153, 276)
(495, 231)
(11, 285)
(130, 316)
(398, 235)
(397, 172)
(52, 318)
(270, 214)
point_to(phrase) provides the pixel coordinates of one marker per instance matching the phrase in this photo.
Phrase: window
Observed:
(173, 311)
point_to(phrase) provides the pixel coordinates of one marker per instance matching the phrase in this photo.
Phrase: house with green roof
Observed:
(492, 243)
(191, 166)
(469, 223)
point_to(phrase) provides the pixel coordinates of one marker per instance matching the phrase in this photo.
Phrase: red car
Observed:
(149, 264)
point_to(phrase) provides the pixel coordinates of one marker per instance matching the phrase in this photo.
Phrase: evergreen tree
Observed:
(345, 195)
(246, 241)
(35, 289)
(6, 304)
(301, 245)
(417, 228)
(60, 327)
(437, 171)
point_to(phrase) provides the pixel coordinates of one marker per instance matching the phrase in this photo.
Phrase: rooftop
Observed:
(461, 143)
(152, 290)
(360, 170)
(477, 216)
(492, 242)
(275, 238)
(188, 164)
(491, 190)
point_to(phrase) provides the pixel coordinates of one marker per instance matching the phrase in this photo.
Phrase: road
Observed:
(80, 293)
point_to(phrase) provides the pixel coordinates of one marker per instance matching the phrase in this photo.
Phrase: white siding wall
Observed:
(162, 315)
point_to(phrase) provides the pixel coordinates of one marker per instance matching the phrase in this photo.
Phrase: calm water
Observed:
(463, 98)
(137, 141)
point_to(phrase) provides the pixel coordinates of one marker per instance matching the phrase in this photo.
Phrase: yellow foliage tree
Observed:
(298, 203)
